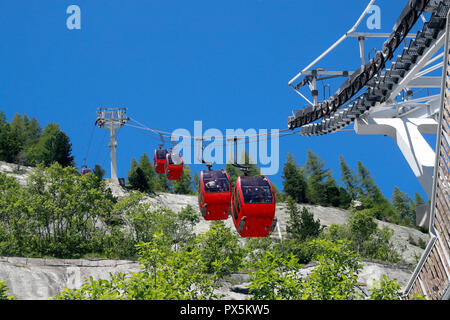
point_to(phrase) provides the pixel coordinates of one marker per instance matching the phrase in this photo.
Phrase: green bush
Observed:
(385, 289)
(220, 250)
(3, 290)
(366, 238)
(59, 213)
(334, 276)
(65, 215)
(166, 275)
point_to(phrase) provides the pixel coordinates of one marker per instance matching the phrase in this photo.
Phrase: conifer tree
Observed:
(403, 206)
(149, 171)
(294, 184)
(54, 146)
(347, 178)
(301, 225)
(98, 171)
(315, 178)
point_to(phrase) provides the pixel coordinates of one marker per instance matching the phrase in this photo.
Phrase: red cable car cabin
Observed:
(253, 206)
(159, 161)
(85, 170)
(173, 166)
(214, 194)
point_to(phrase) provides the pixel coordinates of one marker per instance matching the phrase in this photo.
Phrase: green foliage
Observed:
(138, 180)
(53, 146)
(142, 176)
(312, 183)
(166, 275)
(59, 213)
(196, 181)
(3, 290)
(315, 177)
(275, 277)
(362, 226)
(404, 207)
(233, 172)
(379, 246)
(220, 250)
(385, 289)
(301, 225)
(347, 178)
(334, 276)
(255, 248)
(365, 237)
(139, 221)
(336, 196)
(23, 142)
(99, 172)
(294, 184)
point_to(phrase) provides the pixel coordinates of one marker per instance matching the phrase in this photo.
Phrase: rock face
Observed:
(38, 279)
(29, 278)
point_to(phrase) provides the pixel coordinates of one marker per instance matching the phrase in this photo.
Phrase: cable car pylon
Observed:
(112, 119)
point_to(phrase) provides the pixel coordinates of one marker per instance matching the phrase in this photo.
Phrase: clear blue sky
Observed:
(226, 63)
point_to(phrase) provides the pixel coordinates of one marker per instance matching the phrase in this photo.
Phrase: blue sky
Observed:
(226, 63)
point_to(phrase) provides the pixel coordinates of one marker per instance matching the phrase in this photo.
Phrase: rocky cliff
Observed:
(29, 278)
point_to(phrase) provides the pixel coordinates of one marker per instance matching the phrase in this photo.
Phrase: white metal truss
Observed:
(396, 102)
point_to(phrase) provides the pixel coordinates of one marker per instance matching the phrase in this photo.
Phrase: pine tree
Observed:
(138, 180)
(196, 180)
(10, 139)
(149, 171)
(371, 196)
(164, 184)
(5, 142)
(54, 146)
(294, 184)
(18, 139)
(347, 178)
(301, 225)
(98, 171)
(365, 183)
(403, 206)
(418, 199)
(315, 177)
(336, 195)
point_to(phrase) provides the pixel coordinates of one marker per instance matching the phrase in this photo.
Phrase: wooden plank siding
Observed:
(431, 278)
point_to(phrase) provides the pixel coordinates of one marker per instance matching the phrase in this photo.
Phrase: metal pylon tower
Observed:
(402, 92)
(112, 119)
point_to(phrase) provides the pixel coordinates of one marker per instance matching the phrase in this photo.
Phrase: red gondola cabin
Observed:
(214, 194)
(253, 206)
(159, 161)
(173, 166)
(85, 170)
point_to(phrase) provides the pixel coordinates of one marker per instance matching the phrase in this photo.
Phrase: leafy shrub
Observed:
(166, 274)
(220, 250)
(334, 276)
(3, 290)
